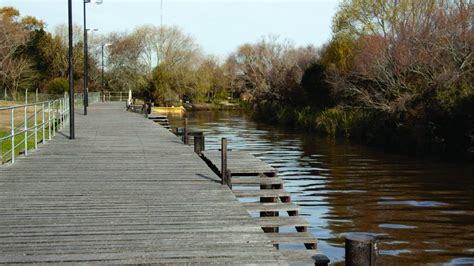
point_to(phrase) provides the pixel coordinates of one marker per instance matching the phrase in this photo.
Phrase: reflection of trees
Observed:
(366, 189)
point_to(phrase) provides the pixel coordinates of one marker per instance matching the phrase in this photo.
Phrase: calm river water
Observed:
(421, 210)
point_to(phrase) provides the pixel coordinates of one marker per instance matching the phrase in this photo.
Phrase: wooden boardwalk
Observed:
(125, 191)
(257, 182)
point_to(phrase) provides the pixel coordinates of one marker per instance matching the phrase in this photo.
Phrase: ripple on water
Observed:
(397, 226)
(414, 203)
(395, 252)
(462, 261)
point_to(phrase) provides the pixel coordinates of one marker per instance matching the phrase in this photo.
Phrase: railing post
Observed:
(13, 134)
(36, 127)
(59, 115)
(26, 123)
(1, 152)
(26, 129)
(63, 106)
(54, 117)
(199, 143)
(43, 123)
(224, 161)
(49, 120)
(361, 249)
(63, 112)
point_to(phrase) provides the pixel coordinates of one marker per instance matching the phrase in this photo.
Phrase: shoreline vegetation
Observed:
(397, 75)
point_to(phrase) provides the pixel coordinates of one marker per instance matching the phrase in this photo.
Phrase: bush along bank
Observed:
(439, 133)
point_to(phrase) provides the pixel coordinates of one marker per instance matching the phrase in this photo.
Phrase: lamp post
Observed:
(71, 74)
(86, 56)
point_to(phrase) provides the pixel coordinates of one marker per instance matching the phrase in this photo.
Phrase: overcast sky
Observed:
(219, 26)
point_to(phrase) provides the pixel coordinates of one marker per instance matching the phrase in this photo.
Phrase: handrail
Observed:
(46, 118)
(23, 105)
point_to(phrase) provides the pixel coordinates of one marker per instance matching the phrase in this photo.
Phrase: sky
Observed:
(219, 26)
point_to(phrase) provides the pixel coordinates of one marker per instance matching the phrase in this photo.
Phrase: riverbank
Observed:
(222, 105)
(440, 135)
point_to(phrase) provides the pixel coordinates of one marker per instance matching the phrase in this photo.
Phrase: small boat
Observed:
(169, 110)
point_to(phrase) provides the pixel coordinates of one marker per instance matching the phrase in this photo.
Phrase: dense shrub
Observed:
(57, 86)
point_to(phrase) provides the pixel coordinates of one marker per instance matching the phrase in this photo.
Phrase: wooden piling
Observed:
(228, 178)
(199, 143)
(223, 160)
(361, 249)
(185, 135)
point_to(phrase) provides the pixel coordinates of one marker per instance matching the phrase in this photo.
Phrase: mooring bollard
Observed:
(199, 143)
(361, 250)
(223, 160)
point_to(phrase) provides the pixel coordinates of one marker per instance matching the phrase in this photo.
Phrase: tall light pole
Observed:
(86, 57)
(71, 74)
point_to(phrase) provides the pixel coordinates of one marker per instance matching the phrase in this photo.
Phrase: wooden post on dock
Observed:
(224, 161)
(361, 249)
(199, 143)
(185, 135)
(228, 178)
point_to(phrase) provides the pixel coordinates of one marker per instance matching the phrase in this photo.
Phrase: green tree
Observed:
(57, 86)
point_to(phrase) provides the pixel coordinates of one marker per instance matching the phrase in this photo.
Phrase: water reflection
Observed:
(422, 211)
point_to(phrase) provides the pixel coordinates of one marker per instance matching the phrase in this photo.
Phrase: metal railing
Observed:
(115, 96)
(24, 126)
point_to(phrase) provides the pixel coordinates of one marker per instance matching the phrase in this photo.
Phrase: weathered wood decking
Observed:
(125, 191)
(270, 200)
(240, 163)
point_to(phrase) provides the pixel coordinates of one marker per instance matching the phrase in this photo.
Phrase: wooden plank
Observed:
(239, 163)
(305, 256)
(264, 193)
(300, 237)
(269, 207)
(280, 221)
(256, 181)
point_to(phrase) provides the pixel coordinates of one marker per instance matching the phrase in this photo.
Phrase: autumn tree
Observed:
(402, 49)
(124, 65)
(15, 69)
(270, 70)
(408, 63)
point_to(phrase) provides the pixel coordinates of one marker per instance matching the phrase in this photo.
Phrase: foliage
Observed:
(396, 74)
(270, 70)
(57, 86)
(316, 89)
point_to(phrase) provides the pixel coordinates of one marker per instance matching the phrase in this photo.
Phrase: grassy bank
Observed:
(441, 134)
(6, 145)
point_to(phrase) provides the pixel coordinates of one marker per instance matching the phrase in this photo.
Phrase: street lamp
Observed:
(71, 74)
(103, 46)
(86, 57)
